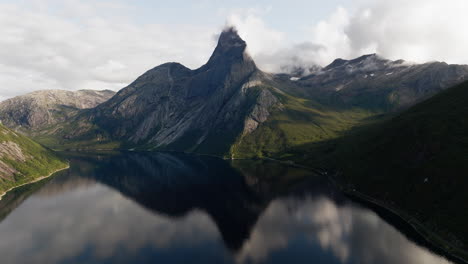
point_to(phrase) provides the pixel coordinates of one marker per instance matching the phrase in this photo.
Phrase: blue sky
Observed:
(287, 16)
(106, 44)
(293, 16)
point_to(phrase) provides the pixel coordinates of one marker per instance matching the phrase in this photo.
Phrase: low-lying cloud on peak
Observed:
(417, 31)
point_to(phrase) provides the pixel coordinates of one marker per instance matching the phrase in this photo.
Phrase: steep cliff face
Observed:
(37, 110)
(206, 110)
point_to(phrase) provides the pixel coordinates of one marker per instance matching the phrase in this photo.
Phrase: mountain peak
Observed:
(231, 48)
(230, 38)
(361, 62)
(368, 57)
(336, 63)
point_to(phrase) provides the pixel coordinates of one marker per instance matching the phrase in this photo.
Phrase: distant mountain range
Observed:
(372, 82)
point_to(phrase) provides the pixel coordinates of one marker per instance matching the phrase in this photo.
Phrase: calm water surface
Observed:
(166, 208)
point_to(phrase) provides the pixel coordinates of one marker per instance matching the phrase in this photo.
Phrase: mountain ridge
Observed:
(39, 109)
(375, 83)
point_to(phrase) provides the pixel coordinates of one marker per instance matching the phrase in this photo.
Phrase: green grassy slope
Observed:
(416, 161)
(297, 123)
(32, 161)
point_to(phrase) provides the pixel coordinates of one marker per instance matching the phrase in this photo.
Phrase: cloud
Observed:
(417, 30)
(269, 47)
(44, 50)
(299, 58)
(352, 234)
(51, 44)
(260, 38)
(95, 217)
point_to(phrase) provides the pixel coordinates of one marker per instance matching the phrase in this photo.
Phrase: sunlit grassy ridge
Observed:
(297, 122)
(38, 162)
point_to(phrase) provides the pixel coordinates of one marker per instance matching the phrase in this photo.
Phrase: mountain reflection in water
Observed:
(176, 208)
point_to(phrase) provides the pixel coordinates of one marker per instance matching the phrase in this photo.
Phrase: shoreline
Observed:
(446, 248)
(33, 181)
(449, 251)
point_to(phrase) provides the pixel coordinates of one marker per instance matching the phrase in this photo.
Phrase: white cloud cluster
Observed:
(94, 45)
(43, 51)
(260, 38)
(350, 233)
(416, 30)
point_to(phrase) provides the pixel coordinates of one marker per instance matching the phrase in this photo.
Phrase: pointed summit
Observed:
(230, 39)
(231, 48)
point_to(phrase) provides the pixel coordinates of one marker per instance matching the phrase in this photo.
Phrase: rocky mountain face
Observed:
(40, 109)
(203, 110)
(375, 83)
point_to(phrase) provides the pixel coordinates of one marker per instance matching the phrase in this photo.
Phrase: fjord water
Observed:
(177, 208)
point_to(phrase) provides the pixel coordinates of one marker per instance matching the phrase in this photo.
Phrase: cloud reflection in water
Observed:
(353, 234)
(123, 211)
